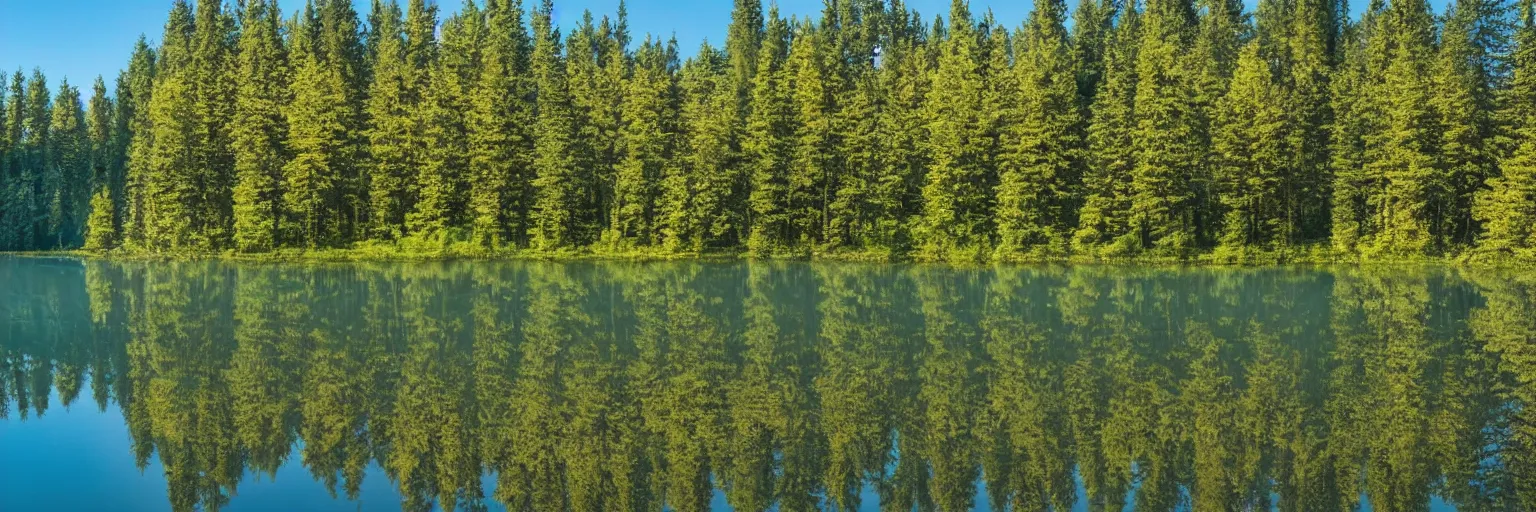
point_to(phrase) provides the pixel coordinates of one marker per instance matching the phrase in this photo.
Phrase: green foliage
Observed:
(864, 133)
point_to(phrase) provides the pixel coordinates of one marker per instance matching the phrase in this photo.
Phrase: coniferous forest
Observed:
(1163, 128)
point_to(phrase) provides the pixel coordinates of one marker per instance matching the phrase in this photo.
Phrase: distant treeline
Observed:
(1166, 128)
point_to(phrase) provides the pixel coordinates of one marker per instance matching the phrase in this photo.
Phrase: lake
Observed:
(762, 386)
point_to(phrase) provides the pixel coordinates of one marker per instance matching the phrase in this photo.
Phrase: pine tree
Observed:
(101, 222)
(500, 144)
(1506, 207)
(647, 138)
(768, 143)
(743, 42)
(1252, 159)
(1104, 223)
(596, 65)
(895, 196)
(210, 77)
(1039, 192)
(1167, 131)
(696, 211)
(1401, 154)
(67, 180)
(442, 191)
(313, 179)
(15, 211)
(559, 189)
(957, 195)
(143, 70)
(392, 134)
(858, 104)
(258, 128)
(1463, 105)
(813, 165)
(1311, 52)
(1356, 113)
(169, 158)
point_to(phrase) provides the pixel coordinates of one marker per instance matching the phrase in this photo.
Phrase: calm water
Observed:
(747, 386)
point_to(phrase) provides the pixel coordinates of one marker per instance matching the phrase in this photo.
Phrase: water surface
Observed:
(762, 386)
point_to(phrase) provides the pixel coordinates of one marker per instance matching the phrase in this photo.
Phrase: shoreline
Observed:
(380, 254)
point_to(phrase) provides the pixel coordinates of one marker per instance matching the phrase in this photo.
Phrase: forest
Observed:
(787, 386)
(1159, 129)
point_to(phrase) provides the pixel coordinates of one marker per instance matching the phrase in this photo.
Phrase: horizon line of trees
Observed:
(1162, 127)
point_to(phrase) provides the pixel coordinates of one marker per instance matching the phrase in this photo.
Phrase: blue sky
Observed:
(81, 39)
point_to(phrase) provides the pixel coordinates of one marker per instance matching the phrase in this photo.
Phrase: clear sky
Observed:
(81, 39)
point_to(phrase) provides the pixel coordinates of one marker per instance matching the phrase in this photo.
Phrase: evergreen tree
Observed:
(813, 165)
(67, 182)
(442, 190)
(559, 189)
(1104, 224)
(1402, 152)
(744, 41)
(957, 194)
(1038, 194)
(138, 128)
(647, 138)
(169, 157)
(1506, 208)
(1463, 105)
(1252, 158)
(696, 210)
(768, 144)
(895, 197)
(1354, 84)
(1167, 130)
(392, 134)
(313, 179)
(211, 80)
(100, 230)
(258, 128)
(500, 144)
(1311, 54)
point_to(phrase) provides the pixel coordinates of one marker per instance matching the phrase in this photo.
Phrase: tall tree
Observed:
(559, 189)
(1167, 130)
(1038, 194)
(210, 77)
(101, 228)
(258, 128)
(1505, 208)
(500, 143)
(1104, 222)
(957, 195)
(442, 191)
(768, 142)
(66, 183)
(1251, 158)
(647, 139)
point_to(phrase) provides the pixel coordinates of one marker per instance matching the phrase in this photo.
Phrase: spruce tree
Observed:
(957, 194)
(15, 210)
(169, 157)
(1463, 106)
(1104, 224)
(67, 181)
(559, 189)
(768, 142)
(1354, 84)
(1168, 127)
(1505, 208)
(696, 210)
(1252, 159)
(210, 76)
(392, 132)
(313, 182)
(500, 142)
(100, 230)
(744, 40)
(813, 164)
(1311, 47)
(1039, 192)
(137, 127)
(442, 190)
(647, 139)
(258, 128)
(895, 196)
(1402, 152)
